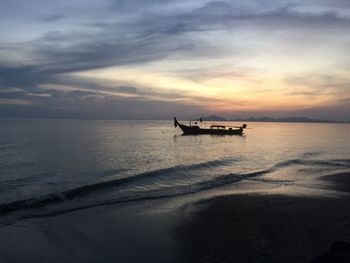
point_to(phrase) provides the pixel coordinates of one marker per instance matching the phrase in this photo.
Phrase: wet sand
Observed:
(267, 228)
(233, 228)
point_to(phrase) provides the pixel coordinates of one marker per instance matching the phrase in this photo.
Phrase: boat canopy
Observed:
(218, 126)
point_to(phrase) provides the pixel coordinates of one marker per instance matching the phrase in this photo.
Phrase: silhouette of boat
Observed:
(214, 129)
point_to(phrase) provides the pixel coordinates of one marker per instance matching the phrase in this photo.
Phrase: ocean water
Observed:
(49, 167)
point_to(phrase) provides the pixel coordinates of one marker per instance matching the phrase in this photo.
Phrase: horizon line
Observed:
(277, 120)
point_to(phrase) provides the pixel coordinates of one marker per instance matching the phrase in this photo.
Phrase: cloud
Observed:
(83, 97)
(319, 84)
(107, 107)
(53, 17)
(118, 33)
(21, 80)
(153, 35)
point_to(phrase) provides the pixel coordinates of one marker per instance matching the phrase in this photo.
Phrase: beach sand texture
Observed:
(260, 227)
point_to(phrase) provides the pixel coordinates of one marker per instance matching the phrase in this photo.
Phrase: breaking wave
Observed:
(168, 182)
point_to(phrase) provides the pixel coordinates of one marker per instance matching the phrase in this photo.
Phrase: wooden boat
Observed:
(214, 129)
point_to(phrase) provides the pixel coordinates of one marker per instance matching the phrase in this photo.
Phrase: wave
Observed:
(153, 194)
(341, 163)
(167, 182)
(79, 192)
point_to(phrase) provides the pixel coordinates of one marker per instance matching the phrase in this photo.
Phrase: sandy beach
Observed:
(233, 228)
(268, 228)
(265, 229)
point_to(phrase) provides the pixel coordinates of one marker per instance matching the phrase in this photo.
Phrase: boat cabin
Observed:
(222, 127)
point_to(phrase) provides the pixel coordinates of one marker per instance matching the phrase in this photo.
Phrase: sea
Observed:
(50, 166)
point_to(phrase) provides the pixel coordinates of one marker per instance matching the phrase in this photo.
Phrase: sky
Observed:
(154, 59)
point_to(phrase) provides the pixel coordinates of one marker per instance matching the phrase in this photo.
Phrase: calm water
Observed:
(48, 166)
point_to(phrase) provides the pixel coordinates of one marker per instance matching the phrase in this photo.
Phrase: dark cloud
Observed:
(86, 97)
(108, 107)
(152, 35)
(30, 79)
(137, 32)
(21, 77)
(230, 15)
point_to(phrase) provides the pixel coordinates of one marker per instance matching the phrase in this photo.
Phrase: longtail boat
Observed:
(214, 129)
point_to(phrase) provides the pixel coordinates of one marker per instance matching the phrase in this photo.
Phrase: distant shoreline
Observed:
(269, 119)
(218, 119)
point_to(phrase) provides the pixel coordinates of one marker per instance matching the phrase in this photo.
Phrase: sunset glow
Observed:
(232, 58)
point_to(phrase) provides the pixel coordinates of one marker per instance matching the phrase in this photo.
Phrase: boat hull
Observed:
(195, 130)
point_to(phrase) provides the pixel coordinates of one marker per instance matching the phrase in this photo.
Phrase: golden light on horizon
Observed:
(217, 90)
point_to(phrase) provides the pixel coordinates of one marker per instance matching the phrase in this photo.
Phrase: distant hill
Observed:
(289, 119)
(268, 119)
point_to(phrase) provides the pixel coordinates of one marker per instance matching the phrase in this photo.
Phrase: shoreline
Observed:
(243, 227)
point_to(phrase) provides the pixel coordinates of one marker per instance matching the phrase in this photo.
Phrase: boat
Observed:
(214, 129)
